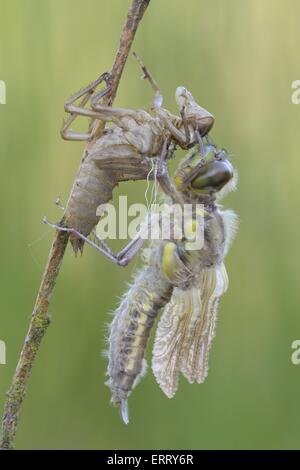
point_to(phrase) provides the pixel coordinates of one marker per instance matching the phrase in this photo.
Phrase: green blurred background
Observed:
(239, 59)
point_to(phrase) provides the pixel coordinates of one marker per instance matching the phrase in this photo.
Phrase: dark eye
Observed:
(212, 177)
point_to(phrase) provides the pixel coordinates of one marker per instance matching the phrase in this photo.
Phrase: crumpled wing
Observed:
(194, 359)
(186, 330)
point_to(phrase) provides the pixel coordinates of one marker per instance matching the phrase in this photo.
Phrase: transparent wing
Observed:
(186, 330)
(169, 340)
(194, 360)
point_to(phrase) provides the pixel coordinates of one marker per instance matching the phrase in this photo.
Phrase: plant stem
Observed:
(40, 319)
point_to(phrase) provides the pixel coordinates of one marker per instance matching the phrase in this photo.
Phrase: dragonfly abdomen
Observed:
(93, 187)
(130, 331)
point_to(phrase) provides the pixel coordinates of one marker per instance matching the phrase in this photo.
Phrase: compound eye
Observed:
(213, 177)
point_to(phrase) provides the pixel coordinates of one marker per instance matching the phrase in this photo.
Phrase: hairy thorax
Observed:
(182, 265)
(214, 240)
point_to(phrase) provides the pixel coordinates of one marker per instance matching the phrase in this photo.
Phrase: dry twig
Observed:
(40, 318)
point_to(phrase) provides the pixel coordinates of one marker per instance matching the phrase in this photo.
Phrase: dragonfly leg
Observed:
(158, 97)
(179, 136)
(209, 140)
(76, 110)
(200, 144)
(105, 252)
(130, 250)
(59, 204)
(125, 255)
(122, 258)
(163, 176)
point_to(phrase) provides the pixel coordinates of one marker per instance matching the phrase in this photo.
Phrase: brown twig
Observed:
(40, 318)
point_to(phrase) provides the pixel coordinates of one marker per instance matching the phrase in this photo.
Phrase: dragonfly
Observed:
(186, 283)
(127, 147)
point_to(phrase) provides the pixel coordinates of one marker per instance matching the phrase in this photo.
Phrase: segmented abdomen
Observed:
(92, 187)
(130, 331)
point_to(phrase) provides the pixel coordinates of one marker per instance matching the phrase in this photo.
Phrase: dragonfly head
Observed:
(207, 174)
(195, 116)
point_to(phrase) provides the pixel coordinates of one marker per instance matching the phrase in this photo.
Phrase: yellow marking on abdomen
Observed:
(168, 259)
(142, 320)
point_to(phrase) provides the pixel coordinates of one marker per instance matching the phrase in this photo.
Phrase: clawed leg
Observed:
(158, 97)
(76, 110)
(195, 171)
(179, 136)
(96, 112)
(200, 145)
(209, 140)
(122, 258)
(163, 176)
(59, 204)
